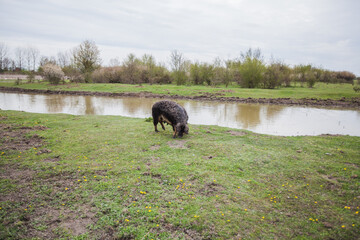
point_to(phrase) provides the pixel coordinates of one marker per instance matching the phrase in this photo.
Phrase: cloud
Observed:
(300, 31)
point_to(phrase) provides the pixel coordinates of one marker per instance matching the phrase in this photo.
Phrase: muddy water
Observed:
(268, 119)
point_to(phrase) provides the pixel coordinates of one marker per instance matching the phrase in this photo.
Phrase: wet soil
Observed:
(343, 102)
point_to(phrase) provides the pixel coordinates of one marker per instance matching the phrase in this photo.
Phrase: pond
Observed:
(260, 118)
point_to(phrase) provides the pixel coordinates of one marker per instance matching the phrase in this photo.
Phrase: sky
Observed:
(325, 33)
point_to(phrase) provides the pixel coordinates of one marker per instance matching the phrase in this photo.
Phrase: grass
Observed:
(91, 177)
(320, 90)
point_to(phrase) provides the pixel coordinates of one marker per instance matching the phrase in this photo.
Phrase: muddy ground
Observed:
(17, 138)
(343, 102)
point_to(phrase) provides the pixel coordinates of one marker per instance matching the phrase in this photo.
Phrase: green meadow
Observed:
(320, 90)
(110, 177)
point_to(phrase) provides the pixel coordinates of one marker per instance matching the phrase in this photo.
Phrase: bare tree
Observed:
(19, 57)
(63, 59)
(177, 63)
(7, 64)
(34, 53)
(45, 60)
(4, 50)
(131, 68)
(114, 62)
(27, 58)
(148, 60)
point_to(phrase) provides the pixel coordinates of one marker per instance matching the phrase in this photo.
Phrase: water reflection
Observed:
(269, 119)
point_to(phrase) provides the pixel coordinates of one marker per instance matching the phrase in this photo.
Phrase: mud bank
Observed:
(343, 102)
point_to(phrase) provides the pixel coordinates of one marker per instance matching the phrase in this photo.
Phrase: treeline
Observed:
(249, 70)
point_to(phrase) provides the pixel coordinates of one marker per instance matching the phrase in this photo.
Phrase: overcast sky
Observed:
(325, 33)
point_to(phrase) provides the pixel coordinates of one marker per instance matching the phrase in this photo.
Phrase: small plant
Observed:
(30, 77)
(357, 86)
(149, 119)
(18, 81)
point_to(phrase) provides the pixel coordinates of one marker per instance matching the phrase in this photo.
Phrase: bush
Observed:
(30, 77)
(73, 74)
(357, 85)
(272, 77)
(108, 75)
(251, 70)
(195, 74)
(52, 73)
(160, 75)
(133, 75)
(179, 77)
(308, 74)
(345, 76)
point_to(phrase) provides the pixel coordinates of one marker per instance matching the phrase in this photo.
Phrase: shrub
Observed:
(272, 76)
(251, 73)
(345, 76)
(52, 73)
(251, 69)
(179, 77)
(108, 75)
(311, 78)
(159, 74)
(207, 73)
(308, 74)
(73, 74)
(327, 76)
(30, 76)
(195, 74)
(357, 85)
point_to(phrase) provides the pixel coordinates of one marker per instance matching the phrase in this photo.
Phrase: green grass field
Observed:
(320, 90)
(92, 177)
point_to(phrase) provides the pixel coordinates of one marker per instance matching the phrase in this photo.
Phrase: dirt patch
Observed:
(22, 178)
(211, 189)
(343, 102)
(42, 151)
(177, 232)
(177, 144)
(153, 175)
(18, 138)
(237, 133)
(51, 160)
(17, 175)
(44, 221)
(74, 222)
(155, 147)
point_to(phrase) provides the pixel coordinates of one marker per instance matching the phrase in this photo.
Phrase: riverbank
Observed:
(332, 95)
(91, 177)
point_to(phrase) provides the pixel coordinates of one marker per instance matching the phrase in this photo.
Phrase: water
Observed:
(260, 118)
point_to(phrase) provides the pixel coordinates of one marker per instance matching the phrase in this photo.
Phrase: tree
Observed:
(195, 74)
(114, 62)
(34, 52)
(63, 59)
(19, 57)
(177, 63)
(131, 69)
(86, 58)
(3, 55)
